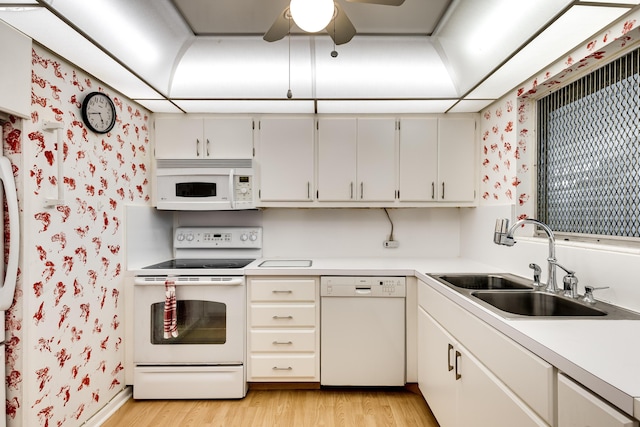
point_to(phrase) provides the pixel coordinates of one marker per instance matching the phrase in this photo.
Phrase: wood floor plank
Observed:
(283, 408)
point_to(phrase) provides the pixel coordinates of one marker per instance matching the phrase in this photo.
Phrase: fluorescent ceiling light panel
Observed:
(246, 106)
(571, 29)
(481, 34)
(147, 35)
(243, 67)
(47, 29)
(385, 106)
(381, 67)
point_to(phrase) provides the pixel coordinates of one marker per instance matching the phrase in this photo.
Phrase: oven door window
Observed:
(199, 322)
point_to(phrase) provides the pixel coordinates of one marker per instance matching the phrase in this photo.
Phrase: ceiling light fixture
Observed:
(312, 15)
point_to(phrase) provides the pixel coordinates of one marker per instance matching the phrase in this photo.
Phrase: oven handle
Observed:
(156, 281)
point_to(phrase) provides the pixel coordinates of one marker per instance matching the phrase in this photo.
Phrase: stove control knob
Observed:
(189, 237)
(253, 237)
(244, 237)
(180, 237)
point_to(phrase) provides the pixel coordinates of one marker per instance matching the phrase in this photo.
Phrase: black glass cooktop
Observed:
(201, 263)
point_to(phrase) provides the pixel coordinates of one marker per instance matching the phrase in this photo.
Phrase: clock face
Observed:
(98, 112)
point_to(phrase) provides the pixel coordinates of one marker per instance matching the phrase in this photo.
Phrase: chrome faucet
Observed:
(503, 235)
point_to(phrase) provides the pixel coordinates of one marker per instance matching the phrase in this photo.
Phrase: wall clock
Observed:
(98, 112)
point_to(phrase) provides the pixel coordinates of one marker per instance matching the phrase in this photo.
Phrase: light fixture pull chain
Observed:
(289, 93)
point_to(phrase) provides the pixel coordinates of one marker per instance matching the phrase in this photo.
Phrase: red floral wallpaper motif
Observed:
(506, 169)
(65, 353)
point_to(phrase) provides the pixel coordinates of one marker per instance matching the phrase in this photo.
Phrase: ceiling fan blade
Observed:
(279, 28)
(340, 28)
(382, 2)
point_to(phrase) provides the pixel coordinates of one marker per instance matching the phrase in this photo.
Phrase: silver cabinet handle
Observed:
(362, 190)
(197, 147)
(443, 190)
(449, 365)
(351, 190)
(458, 357)
(282, 317)
(433, 190)
(288, 368)
(207, 147)
(276, 291)
(308, 190)
(282, 343)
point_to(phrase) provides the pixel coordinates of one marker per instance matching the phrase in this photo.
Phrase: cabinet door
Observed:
(376, 162)
(179, 138)
(456, 160)
(228, 138)
(577, 407)
(418, 159)
(337, 159)
(436, 378)
(484, 400)
(286, 159)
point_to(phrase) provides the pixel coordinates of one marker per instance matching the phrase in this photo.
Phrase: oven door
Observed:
(210, 314)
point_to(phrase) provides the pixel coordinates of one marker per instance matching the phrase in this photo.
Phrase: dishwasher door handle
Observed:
(363, 291)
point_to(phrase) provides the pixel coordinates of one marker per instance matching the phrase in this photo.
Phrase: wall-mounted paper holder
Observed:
(50, 127)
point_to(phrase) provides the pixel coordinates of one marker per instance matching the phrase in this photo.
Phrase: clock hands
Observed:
(98, 113)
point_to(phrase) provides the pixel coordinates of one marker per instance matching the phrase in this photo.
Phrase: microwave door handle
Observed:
(231, 192)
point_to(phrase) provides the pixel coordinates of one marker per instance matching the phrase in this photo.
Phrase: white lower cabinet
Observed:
(283, 338)
(459, 389)
(578, 407)
(471, 374)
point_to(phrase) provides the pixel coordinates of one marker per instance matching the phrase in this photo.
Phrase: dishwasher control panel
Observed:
(363, 286)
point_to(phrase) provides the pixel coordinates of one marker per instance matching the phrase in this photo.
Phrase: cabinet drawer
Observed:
(280, 341)
(283, 315)
(282, 366)
(283, 290)
(579, 407)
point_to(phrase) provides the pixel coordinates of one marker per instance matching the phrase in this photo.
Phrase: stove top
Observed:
(201, 263)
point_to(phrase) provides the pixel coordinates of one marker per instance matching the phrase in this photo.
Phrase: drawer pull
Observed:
(282, 342)
(288, 368)
(449, 365)
(458, 357)
(282, 317)
(275, 291)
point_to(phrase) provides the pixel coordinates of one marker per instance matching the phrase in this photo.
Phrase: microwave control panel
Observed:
(243, 188)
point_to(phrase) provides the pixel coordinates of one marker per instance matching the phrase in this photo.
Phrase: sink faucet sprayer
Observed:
(503, 235)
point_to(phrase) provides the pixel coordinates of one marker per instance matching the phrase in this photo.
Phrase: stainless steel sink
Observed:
(514, 297)
(529, 303)
(484, 281)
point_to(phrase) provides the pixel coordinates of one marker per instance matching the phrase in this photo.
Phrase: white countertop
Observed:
(600, 354)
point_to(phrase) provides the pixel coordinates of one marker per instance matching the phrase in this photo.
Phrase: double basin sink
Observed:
(514, 297)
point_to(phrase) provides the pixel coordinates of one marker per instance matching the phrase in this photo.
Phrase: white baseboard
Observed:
(110, 408)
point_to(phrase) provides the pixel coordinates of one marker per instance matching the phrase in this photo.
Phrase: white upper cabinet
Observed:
(357, 159)
(418, 159)
(15, 72)
(210, 138)
(337, 154)
(456, 160)
(286, 159)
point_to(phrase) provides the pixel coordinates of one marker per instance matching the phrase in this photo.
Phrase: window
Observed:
(589, 153)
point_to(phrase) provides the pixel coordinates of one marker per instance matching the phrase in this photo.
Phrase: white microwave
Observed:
(204, 185)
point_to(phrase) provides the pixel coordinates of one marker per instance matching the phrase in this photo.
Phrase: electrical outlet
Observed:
(390, 244)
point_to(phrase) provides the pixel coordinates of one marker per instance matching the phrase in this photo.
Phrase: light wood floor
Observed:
(292, 408)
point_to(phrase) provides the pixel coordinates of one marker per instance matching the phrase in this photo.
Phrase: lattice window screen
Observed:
(589, 153)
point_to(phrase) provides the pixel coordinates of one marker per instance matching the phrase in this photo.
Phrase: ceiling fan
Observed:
(339, 26)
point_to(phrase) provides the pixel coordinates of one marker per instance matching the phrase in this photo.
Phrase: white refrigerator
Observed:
(8, 273)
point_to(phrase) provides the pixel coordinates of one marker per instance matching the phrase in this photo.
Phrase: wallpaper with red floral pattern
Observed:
(65, 334)
(507, 138)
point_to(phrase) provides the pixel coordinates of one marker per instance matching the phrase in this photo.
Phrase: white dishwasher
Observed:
(362, 331)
